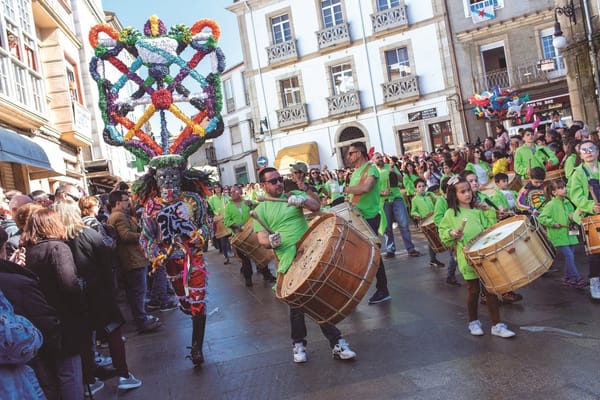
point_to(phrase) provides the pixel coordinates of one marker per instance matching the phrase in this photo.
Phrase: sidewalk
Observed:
(416, 346)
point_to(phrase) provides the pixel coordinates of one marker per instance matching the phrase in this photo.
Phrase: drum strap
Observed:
(363, 178)
(593, 182)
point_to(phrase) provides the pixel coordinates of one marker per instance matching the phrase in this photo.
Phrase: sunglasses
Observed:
(75, 198)
(274, 181)
(588, 150)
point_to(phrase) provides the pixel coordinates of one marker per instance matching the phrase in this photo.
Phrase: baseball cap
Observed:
(299, 166)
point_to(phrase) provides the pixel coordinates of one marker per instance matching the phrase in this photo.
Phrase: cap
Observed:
(299, 166)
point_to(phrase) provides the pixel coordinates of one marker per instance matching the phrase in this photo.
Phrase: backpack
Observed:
(19, 338)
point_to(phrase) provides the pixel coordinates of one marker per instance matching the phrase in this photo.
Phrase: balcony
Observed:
(333, 36)
(519, 76)
(282, 52)
(344, 104)
(400, 90)
(391, 18)
(292, 117)
(52, 14)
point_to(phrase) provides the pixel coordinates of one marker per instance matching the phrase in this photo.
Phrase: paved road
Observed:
(416, 346)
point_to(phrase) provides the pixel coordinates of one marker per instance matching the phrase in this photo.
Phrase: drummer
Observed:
(584, 177)
(288, 224)
(461, 223)
(530, 155)
(363, 193)
(236, 214)
(217, 203)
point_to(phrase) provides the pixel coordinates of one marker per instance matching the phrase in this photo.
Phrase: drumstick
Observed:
(462, 225)
(260, 221)
(263, 198)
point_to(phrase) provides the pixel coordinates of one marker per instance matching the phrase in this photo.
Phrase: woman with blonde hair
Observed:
(52, 261)
(95, 268)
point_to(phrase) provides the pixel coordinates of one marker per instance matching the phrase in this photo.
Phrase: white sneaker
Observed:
(342, 351)
(475, 328)
(102, 361)
(93, 388)
(595, 288)
(501, 330)
(299, 352)
(131, 382)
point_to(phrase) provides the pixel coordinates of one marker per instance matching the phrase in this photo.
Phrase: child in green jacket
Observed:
(423, 205)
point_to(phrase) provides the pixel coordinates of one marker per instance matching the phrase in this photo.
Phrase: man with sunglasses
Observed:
(65, 191)
(288, 224)
(583, 189)
(298, 181)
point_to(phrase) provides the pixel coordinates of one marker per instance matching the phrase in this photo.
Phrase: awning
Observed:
(307, 153)
(15, 148)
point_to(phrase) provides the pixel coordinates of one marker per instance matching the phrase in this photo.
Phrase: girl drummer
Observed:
(461, 223)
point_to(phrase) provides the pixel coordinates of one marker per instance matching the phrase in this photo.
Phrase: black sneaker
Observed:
(379, 297)
(436, 264)
(150, 325)
(169, 305)
(152, 306)
(389, 254)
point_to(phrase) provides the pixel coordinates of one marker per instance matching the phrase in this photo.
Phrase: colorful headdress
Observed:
(160, 53)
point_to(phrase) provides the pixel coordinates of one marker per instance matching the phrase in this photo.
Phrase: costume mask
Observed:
(168, 180)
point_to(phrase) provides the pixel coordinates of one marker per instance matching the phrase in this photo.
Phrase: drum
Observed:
(220, 229)
(591, 228)
(332, 271)
(514, 183)
(510, 254)
(556, 174)
(431, 234)
(245, 242)
(351, 215)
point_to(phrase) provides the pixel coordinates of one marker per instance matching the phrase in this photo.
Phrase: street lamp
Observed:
(560, 42)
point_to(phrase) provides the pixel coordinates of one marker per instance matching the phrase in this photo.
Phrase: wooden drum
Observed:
(591, 228)
(555, 174)
(352, 216)
(221, 230)
(245, 242)
(510, 254)
(514, 183)
(431, 234)
(332, 271)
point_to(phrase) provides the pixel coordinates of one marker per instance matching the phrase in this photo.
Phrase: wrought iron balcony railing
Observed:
(281, 52)
(292, 117)
(401, 90)
(344, 103)
(332, 36)
(395, 17)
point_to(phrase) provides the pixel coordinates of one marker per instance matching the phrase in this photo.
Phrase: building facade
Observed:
(325, 73)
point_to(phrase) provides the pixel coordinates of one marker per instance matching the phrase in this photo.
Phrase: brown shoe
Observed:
(414, 253)
(511, 297)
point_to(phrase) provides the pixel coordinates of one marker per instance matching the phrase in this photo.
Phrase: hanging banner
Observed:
(482, 11)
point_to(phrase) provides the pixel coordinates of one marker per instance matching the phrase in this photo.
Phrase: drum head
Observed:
(495, 235)
(311, 248)
(427, 220)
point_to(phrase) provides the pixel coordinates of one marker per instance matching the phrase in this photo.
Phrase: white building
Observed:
(325, 73)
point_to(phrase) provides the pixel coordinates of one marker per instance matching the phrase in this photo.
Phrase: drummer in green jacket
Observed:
(423, 205)
(441, 205)
(530, 155)
(503, 196)
(557, 215)
(463, 222)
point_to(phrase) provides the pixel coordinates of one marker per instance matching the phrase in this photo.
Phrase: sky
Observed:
(135, 13)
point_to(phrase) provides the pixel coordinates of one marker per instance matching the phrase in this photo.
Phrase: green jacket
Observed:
(423, 205)
(557, 211)
(526, 158)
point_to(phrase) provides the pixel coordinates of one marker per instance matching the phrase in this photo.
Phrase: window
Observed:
(24, 16)
(281, 29)
(73, 84)
(385, 4)
(440, 133)
(397, 63)
(548, 50)
(290, 91)
(229, 100)
(331, 10)
(236, 136)
(467, 5)
(241, 175)
(410, 141)
(14, 45)
(341, 76)
(19, 75)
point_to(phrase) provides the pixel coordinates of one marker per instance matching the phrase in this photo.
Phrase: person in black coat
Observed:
(94, 267)
(52, 261)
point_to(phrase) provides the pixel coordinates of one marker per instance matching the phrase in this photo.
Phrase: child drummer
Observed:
(423, 205)
(461, 223)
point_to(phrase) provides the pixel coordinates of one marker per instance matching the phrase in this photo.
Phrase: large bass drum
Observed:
(332, 271)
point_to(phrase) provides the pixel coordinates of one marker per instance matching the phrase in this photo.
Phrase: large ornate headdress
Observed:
(162, 77)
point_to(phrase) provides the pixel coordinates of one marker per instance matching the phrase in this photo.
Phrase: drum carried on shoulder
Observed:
(220, 229)
(510, 254)
(245, 242)
(591, 234)
(332, 271)
(352, 216)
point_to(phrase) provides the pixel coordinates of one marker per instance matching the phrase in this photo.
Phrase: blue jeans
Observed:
(330, 331)
(452, 265)
(570, 268)
(136, 294)
(396, 211)
(158, 292)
